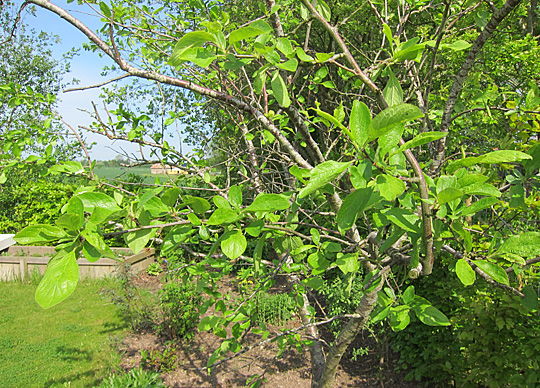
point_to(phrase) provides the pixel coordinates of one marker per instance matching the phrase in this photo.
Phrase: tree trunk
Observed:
(346, 336)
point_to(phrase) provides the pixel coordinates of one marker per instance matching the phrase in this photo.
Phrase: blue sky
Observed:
(85, 67)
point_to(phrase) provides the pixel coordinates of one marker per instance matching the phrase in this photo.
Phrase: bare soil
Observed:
(290, 370)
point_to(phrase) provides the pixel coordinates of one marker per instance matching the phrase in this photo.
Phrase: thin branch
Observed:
(481, 273)
(96, 85)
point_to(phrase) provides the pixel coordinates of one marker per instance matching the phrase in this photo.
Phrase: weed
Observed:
(154, 269)
(159, 361)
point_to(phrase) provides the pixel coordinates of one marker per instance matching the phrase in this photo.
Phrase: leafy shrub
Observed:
(493, 340)
(31, 202)
(179, 305)
(135, 378)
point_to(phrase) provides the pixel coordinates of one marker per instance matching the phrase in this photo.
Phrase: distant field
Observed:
(121, 173)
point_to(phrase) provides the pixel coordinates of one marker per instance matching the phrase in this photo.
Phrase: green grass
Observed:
(68, 345)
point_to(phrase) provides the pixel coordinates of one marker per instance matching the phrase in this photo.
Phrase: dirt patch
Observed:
(291, 370)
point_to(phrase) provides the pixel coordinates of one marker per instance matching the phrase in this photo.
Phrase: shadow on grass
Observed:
(71, 354)
(112, 327)
(89, 378)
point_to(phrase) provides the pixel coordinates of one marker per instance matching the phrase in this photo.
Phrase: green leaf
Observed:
(531, 298)
(477, 206)
(332, 119)
(390, 187)
(258, 253)
(399, 317)
(91, 234)
(485, 189)
(189, 40)
(410, 53)
(448, 195)
(301, 54)
(421, 139)
(235, 196)
(39, 234)
(291, 65)
(175, 237)
(90, 252)
(348, 263)
(324, 10)
(470, 182)
(254, 229)
(353, 205)
(408, 295)
(280, 90)
(526, 245)
(285, 46)
(74, 215)
(170, 196)
(223, 216)
(430, 315)
(361, 173)
(201, 56)
(517, 196)
(59, 281)
(323, 174)
(314, 283)
(392, 116)
(465, 273)
(246, 33)
(495, 157)
(208, 323)
(380, 314)
(221, 202)
(388, 33)
(69, 221)
(136, 241)
(360, 123)
(494, 271)
(393, 94)
(199, 205)
(91, 201)
(458, 45)
(403, 218)
(233, 244)
(268, 203)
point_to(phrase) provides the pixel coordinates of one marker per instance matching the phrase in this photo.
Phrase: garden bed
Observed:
(20, 261)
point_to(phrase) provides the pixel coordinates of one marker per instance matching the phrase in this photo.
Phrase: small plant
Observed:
(179, 304)
(135, 307)
(359, 352)
(135, 378)
(158, 361)
(274, 309)
(154, 269)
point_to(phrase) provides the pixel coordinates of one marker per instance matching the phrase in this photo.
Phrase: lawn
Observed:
(69, 345)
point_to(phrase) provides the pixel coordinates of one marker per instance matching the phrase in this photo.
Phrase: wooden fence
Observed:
(19, 261)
